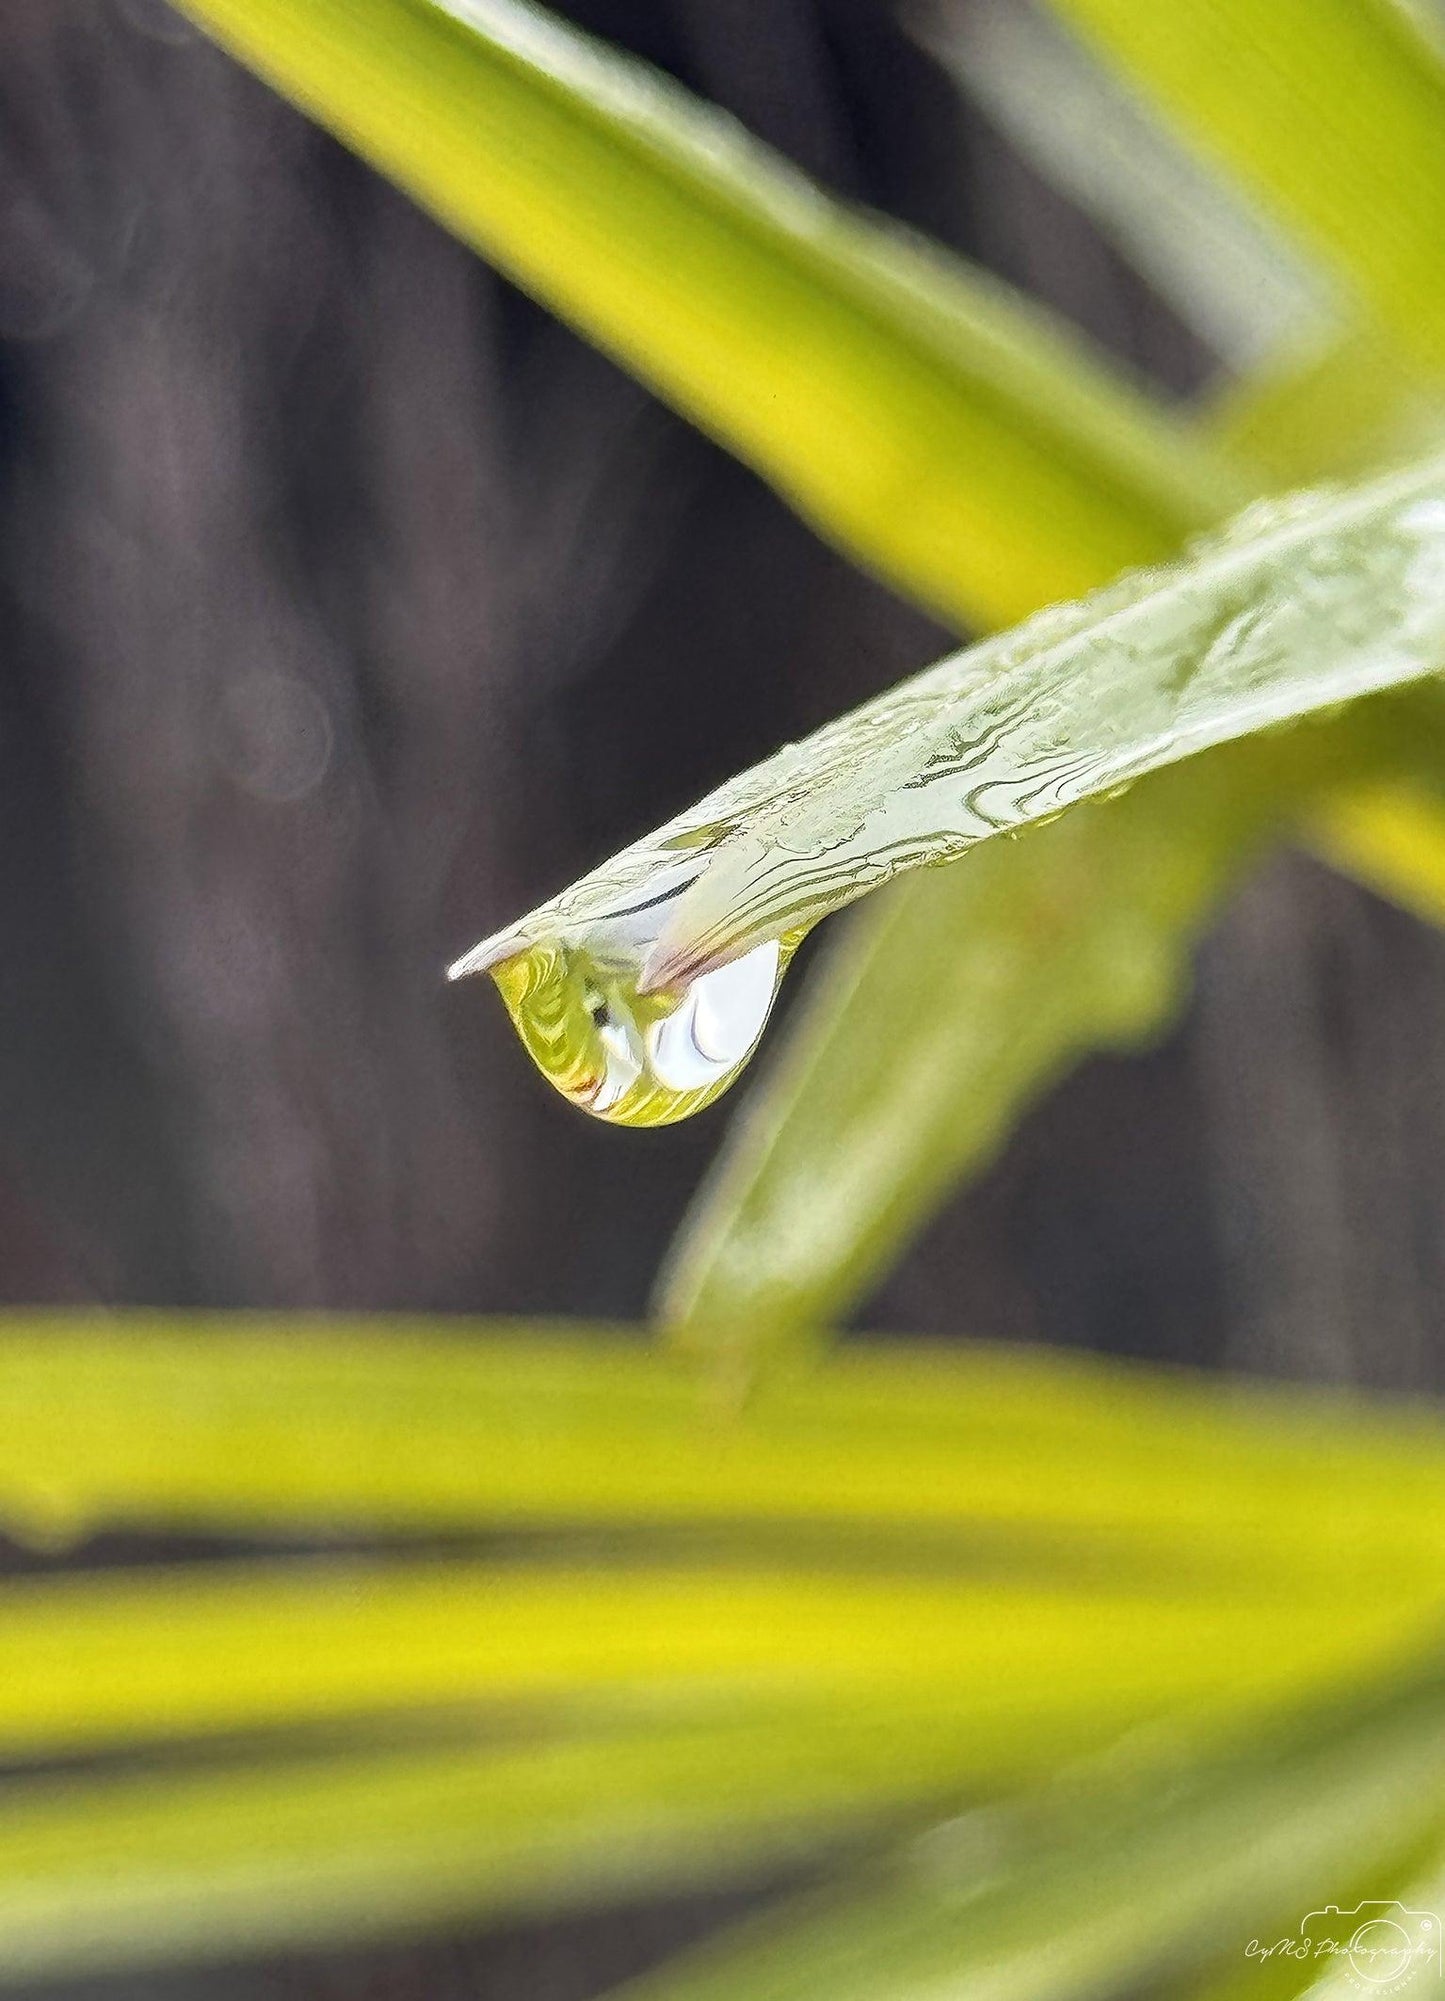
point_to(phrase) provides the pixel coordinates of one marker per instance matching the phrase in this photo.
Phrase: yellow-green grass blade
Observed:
(1309, 396)
(1245, 287)
(104, 1876)
(856, 369)
(99, 1871)
(1331, 113)
(1043, 1460)
(1126, 1889)
(104, 1870)
(111, 1659)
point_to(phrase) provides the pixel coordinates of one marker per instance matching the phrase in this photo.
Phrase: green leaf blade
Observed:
(848, 364)
(1135, 1885)
(198, 1652)
(104, 1871)
(1072, 1548)
(304, 1426)
(1301, 605)
(1331, 112)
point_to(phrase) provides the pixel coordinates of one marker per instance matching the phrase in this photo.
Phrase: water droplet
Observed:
(639, 1059)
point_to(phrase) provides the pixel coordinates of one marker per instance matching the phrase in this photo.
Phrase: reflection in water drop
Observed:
(633, 1058)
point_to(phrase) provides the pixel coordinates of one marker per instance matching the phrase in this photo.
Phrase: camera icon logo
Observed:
(1381, 1944)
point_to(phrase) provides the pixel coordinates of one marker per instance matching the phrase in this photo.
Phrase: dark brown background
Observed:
(348, 605)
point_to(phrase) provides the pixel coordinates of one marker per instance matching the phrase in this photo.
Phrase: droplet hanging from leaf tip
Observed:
(634, 1058)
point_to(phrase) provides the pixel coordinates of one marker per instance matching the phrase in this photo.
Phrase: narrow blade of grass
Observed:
(109, 1660)
(1300, 605)
(101, 1872)
(852, 366)
(1350, 407)
(1331, 113)
(1036, 1459)
(1127, 1889)
(1244, 286)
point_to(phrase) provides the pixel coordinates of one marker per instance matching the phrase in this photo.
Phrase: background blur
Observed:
(349, 605)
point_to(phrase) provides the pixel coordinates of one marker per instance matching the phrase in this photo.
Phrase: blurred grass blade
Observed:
(1241, 284)
(109, 1871)
(1048, 1460)
(1128, 1888)
(1139, 1547)
(1310, 397)
(105, 1871)
(108, 1660)
(862, 373)
(1078, 939)
(1331, 113)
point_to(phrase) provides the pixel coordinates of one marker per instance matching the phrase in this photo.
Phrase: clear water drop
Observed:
(634, 1058)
